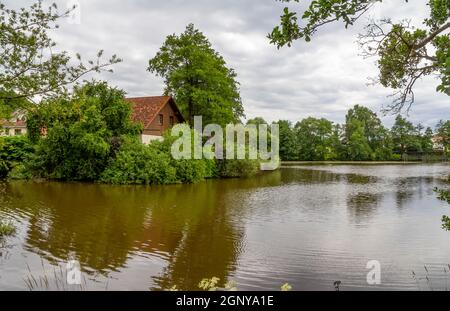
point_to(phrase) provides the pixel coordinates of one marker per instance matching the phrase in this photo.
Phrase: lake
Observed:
(307, 225)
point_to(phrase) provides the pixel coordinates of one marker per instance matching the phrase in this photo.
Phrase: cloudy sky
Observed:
(323, 78)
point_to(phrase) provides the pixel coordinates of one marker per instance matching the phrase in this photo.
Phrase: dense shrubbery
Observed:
(13, 151)
(89, 136)
(83, 133)
(136, 163)
(188, 170)
(238, 168)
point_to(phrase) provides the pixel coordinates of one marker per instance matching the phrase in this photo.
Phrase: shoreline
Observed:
(359, 162)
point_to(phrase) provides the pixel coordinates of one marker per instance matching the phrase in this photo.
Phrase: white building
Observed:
(15, 126)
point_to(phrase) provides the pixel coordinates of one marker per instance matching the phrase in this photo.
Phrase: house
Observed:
(15, 126)
(438, 143)
(156, 114)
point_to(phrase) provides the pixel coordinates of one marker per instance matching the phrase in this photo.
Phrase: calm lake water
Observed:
(308, 225)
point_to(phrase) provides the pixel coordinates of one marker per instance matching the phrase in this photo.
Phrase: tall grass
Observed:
(7, 229)
(434, 279)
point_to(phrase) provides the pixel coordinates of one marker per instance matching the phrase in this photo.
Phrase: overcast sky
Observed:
(323, 78)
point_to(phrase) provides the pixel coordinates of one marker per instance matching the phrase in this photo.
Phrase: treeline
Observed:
(363, 137)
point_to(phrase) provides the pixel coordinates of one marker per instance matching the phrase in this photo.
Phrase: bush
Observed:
(13, 151)
(84, 132)
(396, 157)
(136, 163)
(188, 170)
(238, 168)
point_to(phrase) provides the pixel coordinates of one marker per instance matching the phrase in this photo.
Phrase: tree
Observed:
(374, 133)
(288, 141)
(197, 76)
(83, 132)
(13, 151)
(405, 54)
(337, 139)
(443, 131)
(256, 121)
(358, 148)
(404, 136)
(29, 65)
(426, 140)
(314, 139)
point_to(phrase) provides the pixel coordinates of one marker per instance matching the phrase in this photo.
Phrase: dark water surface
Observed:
(305, 225)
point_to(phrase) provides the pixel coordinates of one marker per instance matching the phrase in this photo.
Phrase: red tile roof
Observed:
(18, 123)
(145, 109)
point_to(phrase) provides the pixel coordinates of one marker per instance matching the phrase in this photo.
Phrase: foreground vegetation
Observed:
(6, 229)
(444, 195)
(89, 136)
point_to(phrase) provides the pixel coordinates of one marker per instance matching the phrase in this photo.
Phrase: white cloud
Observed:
(322, 78)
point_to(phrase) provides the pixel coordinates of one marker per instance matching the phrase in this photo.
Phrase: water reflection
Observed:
(362, 206)
(304, 225)
(189, 226)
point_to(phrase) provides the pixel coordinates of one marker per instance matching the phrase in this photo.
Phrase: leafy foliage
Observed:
(443, 130)
(406, 136)
(197, 76)
(288, 141)
(319, 13)
(82, 132)
(444, 195)
(314, 139)
(136, 163)
(13, 151)
(29, 65)
(363, 137)
(238, 168)
(187, 170)
(405, 54)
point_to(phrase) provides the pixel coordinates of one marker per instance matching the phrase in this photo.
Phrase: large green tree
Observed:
(362, 124)
(426, 140)
(30, 66)
(82, 132)
(314, 138)
(405, 53)
(358, 148)
(405, 136)
(198, 78)
(443, 131)
(288, 141)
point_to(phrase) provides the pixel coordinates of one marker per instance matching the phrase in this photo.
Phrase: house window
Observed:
(17, 132)
(161, 119)
(171, 121)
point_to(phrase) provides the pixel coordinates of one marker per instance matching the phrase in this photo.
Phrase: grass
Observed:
(56, 280)
(435, 278)
(7, 229)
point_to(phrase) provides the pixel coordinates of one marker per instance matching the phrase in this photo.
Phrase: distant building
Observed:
(15, 126)
(438, 143)
(156, 114)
